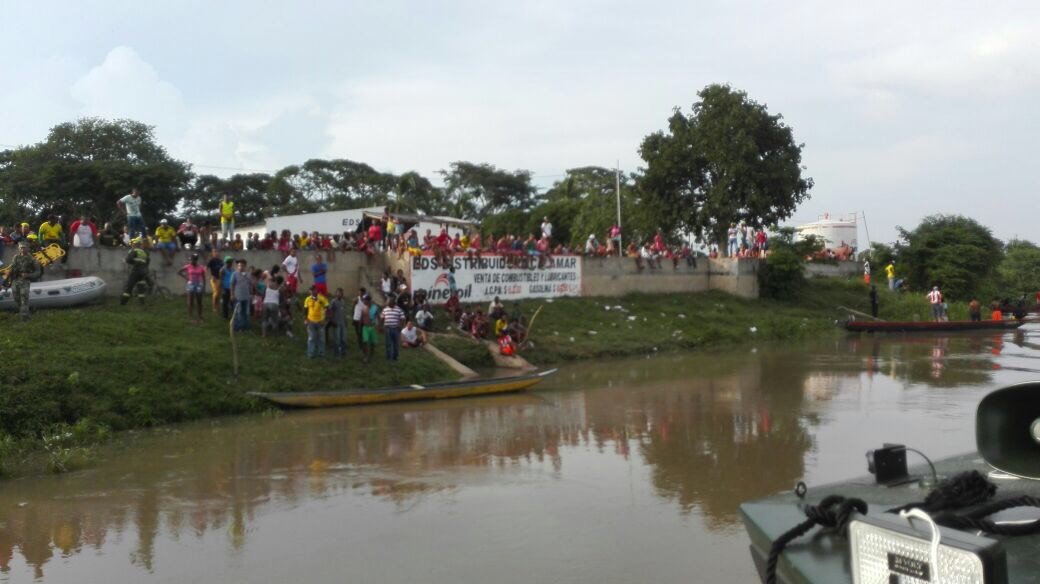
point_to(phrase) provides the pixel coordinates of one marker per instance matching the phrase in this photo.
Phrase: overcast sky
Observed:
(905, 108)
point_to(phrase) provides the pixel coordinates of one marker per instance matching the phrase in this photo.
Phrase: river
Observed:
(626, 470)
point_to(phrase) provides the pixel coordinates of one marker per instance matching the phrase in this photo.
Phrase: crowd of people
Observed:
(508, 329)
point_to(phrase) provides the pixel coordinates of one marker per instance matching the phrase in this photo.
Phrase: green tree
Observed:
(1020, 270)
(86, 166)
(951, 251)
(477, 191)
(730, 160)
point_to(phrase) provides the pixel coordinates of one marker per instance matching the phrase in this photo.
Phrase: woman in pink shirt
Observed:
(196, 277)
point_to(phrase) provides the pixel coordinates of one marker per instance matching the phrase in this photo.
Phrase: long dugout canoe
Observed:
(445, 390)
(860, 326)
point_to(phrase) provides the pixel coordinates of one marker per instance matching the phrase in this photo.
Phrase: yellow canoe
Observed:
(446, 390)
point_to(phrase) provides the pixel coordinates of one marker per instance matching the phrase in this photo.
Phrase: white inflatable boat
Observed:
(57, 293)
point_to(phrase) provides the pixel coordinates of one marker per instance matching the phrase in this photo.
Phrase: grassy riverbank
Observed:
(570, 329)
(71, 376)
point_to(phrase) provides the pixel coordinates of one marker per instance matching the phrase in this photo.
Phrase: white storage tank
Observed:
(835, 232)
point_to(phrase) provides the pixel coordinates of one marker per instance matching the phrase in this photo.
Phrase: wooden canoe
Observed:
(446, 390)
(861, 326)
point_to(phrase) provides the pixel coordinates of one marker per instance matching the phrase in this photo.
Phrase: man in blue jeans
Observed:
(242, 294)
(393, 318)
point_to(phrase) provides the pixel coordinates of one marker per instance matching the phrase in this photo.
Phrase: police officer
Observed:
(24, 269)
(138, 260)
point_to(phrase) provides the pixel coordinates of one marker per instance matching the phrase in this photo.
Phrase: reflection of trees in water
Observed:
(211, 477)
(730, 433)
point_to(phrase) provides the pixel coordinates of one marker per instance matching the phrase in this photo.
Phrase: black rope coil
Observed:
(961, 490)
(834, 512)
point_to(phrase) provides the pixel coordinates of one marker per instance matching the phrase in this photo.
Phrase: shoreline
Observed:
(154, 369)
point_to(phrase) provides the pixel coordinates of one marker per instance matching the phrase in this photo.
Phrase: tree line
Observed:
(727, 160)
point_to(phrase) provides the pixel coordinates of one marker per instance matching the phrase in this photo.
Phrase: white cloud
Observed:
(976, 64)
(125, 86)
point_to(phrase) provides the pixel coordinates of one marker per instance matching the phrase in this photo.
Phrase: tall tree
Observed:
(86, 165)
(476, 191)
(1020, 270)
(730, 160)
(951, 251)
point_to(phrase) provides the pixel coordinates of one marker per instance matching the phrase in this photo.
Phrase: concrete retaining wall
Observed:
(620, 276)
(835, 270)
(344, 268)
(351, 270)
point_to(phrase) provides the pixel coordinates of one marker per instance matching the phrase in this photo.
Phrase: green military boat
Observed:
(990, 530)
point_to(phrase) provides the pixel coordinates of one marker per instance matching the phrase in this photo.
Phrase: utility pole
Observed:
(617, 177)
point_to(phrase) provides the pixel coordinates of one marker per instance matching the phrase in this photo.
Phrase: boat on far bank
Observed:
(445, 390)
(863, 326)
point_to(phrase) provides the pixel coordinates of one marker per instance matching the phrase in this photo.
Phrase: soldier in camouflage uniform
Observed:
(138, 260)
(24, 269)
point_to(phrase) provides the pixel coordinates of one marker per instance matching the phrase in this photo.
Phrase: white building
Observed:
(348, 221)
(833, 232)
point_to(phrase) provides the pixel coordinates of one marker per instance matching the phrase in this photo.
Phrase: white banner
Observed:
(481, 279)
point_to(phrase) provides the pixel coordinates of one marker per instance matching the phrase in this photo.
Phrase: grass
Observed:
(466, 351)
(116, 368)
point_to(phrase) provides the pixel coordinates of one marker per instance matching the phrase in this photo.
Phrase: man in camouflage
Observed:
(138, 260)
(24, 269)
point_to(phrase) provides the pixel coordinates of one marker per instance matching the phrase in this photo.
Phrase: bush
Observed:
(781, 274)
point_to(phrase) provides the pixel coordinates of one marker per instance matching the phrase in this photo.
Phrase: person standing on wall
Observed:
(866, 272)
(890, 273)
(227, 217)
(547, 228)
(131, 206)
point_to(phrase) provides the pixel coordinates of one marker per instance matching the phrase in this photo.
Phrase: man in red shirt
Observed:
(375, 234)
(85, 238)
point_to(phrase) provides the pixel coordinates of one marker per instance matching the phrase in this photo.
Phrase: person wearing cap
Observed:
(227, 217)
(166, 237)
(138, 260)
(24, 270)
(196, 277)
(131, 206)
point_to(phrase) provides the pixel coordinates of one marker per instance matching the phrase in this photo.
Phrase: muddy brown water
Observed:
(614, 471)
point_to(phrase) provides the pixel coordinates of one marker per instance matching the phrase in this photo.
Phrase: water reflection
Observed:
(709, 431)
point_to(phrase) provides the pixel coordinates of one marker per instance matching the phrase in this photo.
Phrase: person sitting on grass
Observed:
(465, 319)
(412, 337)
(500, 324)
(496, 308)
(424, 318)
(479, 326)
(196, 277)
(517, 331)
(506, 345)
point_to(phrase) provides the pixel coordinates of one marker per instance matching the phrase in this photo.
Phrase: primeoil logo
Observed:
(442, 294)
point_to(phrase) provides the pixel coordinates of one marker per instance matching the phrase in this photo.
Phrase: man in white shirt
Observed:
(359, 309)
(292, 272)
(546, 228)
(131, 205)
(424, 318)
(935, 299)
(412, 337)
